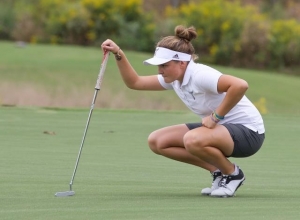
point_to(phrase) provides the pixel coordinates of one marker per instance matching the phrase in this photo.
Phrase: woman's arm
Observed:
(235, 89)
(129, 75)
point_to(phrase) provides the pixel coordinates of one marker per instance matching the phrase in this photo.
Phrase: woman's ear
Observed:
(183, 64)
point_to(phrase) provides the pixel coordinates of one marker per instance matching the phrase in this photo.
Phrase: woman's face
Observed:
(172, 70)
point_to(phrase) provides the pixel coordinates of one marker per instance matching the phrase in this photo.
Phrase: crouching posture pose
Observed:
(231, 126)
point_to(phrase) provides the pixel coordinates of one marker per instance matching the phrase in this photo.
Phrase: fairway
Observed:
(65, 76)
(120, 178)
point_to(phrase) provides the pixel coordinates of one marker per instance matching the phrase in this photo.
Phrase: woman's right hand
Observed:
(109, 45)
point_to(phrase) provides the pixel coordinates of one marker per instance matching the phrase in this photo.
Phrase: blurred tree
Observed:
(159, 6)
(275, 8)
(177, 3)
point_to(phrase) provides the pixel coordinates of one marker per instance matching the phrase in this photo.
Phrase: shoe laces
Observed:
(215, 175)
(223, 181)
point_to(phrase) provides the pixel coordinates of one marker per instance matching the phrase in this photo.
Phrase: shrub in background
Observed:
(252, 48)
(7, 20)
(219, 25)
(67, 23)
(87, 22)
(230, 33)
(269, 44)
(284, 43)
(122, 20)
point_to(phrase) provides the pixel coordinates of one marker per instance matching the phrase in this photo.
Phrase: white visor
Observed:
(163, 55)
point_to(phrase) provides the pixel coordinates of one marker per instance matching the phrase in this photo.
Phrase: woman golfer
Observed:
(231, 126)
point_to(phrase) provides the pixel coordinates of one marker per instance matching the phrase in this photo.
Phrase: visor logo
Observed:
(156, 51)
(176, 56)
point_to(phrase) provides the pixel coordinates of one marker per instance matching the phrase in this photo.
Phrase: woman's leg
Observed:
(169, 142)
(211, 146)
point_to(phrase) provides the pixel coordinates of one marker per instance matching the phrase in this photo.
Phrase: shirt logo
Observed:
(176, 56)
(192, 94)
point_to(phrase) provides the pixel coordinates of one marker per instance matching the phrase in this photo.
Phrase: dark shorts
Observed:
(246, 141)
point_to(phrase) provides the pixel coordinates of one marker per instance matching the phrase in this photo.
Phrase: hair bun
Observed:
(186, 34)
(184, 39)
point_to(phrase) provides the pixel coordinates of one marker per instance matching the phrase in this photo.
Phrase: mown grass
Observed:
(65, 76)
(120, 178)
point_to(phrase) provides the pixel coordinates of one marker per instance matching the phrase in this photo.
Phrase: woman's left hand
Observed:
(208, 122)
(111, 46)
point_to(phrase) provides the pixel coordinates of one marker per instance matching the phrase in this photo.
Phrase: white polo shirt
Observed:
(199, 93)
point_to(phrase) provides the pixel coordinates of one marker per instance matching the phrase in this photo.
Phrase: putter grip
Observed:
(102, 70)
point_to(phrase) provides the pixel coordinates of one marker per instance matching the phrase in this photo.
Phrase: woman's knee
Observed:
(193, 143)
(153, 142)
(164, 138)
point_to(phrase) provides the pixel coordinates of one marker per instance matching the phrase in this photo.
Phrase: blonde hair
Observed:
(181, 42)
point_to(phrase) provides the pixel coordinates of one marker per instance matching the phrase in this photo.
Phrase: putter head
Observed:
(65, 194)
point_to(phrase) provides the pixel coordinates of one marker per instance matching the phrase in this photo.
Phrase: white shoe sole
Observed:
(228, 196)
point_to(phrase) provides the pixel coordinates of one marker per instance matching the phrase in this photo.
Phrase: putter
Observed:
(97, 88)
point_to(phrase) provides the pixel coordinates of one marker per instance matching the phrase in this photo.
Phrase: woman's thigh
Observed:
(171, 136)
(246, 142)
(218, 137)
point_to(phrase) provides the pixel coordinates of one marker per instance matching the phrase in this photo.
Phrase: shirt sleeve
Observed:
(163, 83)
(207, 79)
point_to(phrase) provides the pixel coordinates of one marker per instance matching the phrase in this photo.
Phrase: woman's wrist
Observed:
(219, 117)
(118, 55)
(216, 118)
(213, 118)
